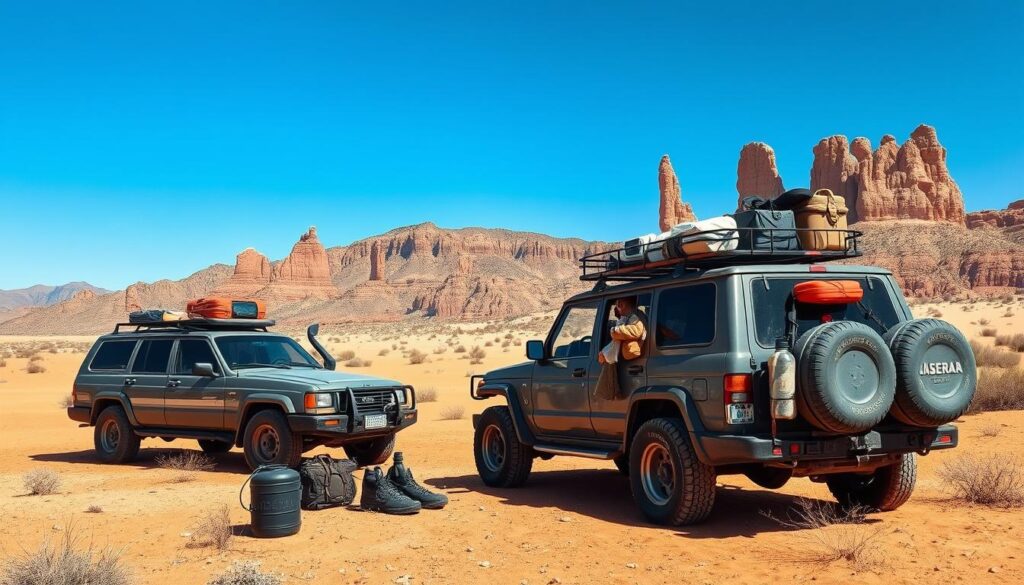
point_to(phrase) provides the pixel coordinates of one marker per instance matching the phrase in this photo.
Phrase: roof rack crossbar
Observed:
(195, 324)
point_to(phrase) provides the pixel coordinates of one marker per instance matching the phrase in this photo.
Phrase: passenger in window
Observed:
(627, 332)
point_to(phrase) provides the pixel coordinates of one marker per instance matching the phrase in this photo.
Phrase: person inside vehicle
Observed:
(627, 332)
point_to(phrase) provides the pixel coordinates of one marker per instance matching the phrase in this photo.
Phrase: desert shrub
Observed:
(383, 352)
(991, 430)
(836, 533)
(1014, 342)
(35, 358)
(1008, 314)
(999, 389)
(460, 349)
(187, 463)
(346, 355)
(94, 509)
(983, 321)
(428, 394)
(66, 563)
(989, 332)
(986, 355)
(417, 357)
(41, 482)
(452, 412)
(245, 573)
(358, 363)
(440, 350)
(35, 368)
(3, 362)
(477, 355)
(212, 529)
(991, 480)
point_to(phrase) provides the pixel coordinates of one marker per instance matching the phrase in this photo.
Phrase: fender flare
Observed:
(107, 396)
(246, 405)
(683, 402)
(515, 405)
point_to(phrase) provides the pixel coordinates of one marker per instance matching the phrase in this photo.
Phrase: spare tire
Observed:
(936, 374)
(846, 377)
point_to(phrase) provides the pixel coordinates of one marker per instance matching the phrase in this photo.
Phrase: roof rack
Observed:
(637, 260)
(200, 325)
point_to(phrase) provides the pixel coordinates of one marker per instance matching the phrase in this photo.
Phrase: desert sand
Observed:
(574, 521)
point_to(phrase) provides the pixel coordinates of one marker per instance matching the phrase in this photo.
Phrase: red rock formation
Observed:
(993, 269)
(305, 272)
(252, 273)
(1010, 217)
(906, 182)
(376, 261)
(672, 210)
(756, 173)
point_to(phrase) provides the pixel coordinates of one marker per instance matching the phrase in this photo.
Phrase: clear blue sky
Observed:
(141, 140)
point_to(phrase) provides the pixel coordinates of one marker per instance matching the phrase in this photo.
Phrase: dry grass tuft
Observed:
(836, 533)
(477, 355)
(187, 463)
(989, 332)
(999, 389)
(94, 509)
(428, 394)
(460, 349)
(212, 529)
(991, 430)
(346, 355)
(66, 563)
(35, 368)
(986, 355)
(417, 357)
(983, 322)
(1014, 342)
(383, 352)
(41, 482)
(245, 573)
(358, 363)
(452, 412)
(989, 480)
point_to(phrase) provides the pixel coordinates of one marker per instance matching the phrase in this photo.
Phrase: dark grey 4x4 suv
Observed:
(874, 387)
(231, 382)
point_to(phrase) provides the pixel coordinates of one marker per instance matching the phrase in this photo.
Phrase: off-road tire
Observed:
(371, 452)
(622, 463)
(213, 447)
(884, 490)
(691, 496)
(506, 462)
(837, 364)
(771, 478)
(940, 398)
(289, 444)
(113, 422)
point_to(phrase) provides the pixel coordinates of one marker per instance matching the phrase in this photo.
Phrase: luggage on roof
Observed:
(824, 216)
(226, 308)
(770, 229)
(155, 316)
(717, 234)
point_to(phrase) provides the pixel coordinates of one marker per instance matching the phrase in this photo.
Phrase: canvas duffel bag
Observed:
(327, 482)
(824, 218)
(766, 230)
(224, 308)
(717, 234)
(154, 316)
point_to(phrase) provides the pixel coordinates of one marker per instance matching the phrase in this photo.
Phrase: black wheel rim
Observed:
(493, 448)
(110, 436)
(657, 474)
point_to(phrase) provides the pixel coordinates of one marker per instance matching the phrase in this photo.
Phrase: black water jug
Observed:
(275, 493)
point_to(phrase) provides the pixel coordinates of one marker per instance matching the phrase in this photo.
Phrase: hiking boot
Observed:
(380, 495)
(401, 477)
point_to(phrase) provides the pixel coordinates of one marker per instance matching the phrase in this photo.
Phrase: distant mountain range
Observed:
(42, 295)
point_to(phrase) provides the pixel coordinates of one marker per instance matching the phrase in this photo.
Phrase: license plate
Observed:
(739, 414)
(375, 421)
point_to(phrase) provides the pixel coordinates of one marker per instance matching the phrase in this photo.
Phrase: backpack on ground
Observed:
(327, 482)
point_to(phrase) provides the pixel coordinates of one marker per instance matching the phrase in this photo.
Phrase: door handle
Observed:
(129, 381)
(579, 373)
(173, 383)
(634, 370)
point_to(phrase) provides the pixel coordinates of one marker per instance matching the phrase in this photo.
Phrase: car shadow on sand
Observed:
(605, 495)
(231, 462)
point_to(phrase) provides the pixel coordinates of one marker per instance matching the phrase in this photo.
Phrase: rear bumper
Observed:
(340, 425)
(82, 414)
(719, 449)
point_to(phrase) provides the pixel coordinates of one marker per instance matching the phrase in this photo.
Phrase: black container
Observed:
(275, 492)
(767, 230)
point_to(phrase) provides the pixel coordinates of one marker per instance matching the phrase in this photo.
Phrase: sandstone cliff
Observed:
(756, 173)
(671, 210)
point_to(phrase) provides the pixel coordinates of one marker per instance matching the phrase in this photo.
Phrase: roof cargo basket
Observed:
(199, 325)
(639, 260)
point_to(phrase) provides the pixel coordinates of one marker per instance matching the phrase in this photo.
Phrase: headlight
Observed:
(401, 395)
(317, 403)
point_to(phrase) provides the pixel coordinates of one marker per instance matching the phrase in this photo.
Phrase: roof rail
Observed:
(638, 260)
(199, 325)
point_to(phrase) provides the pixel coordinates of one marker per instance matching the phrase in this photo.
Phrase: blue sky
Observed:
(141, 140)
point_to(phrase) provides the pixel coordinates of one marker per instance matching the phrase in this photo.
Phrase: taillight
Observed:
(738, 398)
(74, 395)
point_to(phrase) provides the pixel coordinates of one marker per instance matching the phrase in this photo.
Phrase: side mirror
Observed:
(535, 350)
(203, 369)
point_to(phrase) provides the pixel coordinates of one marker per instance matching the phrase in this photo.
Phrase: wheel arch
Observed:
(257, 404)
(663, 402)
(103, 401)
(514, 399)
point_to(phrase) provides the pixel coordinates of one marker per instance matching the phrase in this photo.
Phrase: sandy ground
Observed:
(574, 522)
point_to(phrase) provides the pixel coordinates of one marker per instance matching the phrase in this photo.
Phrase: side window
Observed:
(113, 355)
(574, 333)
(643, 307)
(686, 316)
(192, 352)
(153, 356)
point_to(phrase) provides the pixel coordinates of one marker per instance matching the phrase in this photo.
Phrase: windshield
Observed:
(256, 351)
(876, 310)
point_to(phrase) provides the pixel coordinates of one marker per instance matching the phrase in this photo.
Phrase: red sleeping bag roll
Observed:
(828, 292)
(225, 308)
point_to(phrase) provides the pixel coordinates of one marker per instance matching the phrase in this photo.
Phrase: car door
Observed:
(194, 401)
(608, 416)
(146, 382)
(560, 382)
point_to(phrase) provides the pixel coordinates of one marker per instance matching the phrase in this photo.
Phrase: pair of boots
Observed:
(396, 492)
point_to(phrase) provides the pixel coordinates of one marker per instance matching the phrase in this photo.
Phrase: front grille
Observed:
(373, 400)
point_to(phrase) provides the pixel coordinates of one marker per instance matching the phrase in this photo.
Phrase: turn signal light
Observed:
(318, 403)
(737, 388)
(944, 439)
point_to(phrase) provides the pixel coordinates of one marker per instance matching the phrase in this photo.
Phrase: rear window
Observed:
(686, 316)
(876, 310)
(113, 355)
(153, 357)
